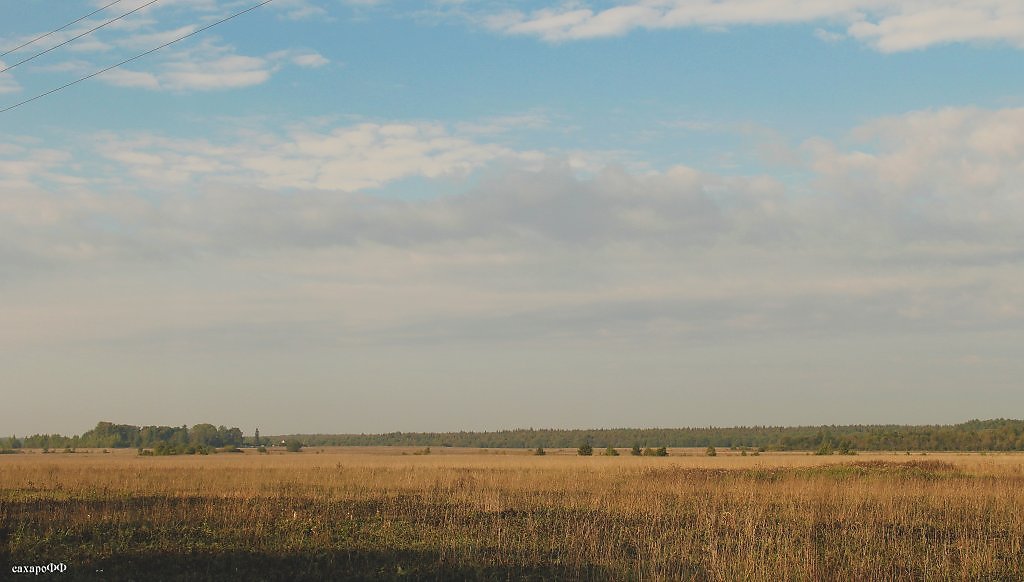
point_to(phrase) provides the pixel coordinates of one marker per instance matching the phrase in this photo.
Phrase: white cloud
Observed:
(134, 79)
(828, 35)
(299, 9)
(89, 44)
(205, 67)
(913, 225)
(225, 72)
(303, 58)
(21, 164)
(7, 82)
(949, 172)
(310, 60)
(924, 23)
(148, 40)
(348, 158)
(887, 26)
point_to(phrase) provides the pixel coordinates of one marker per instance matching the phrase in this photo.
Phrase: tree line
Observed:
(108, 435)
(974, 435)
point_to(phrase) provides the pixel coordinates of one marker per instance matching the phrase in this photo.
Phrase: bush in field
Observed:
(611, 452)
(261, 449)
(661, 452)
(585, 450)
(540, 452)
(166, 449)
(293, 446)
(710, 451)
(635, 451)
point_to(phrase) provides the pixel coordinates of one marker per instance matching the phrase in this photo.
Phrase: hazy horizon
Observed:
(365, 216)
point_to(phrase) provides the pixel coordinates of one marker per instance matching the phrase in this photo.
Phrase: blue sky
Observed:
(378, 215)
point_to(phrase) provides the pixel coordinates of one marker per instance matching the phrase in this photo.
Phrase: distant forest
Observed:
(974, 435)
(108, 435)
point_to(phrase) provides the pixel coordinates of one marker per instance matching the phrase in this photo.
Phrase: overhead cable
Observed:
(56, 30)
(136, 57)
(78, 36)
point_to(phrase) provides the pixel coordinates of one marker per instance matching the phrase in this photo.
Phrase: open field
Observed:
(378, 513)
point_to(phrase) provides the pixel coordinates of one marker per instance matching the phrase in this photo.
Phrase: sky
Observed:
(381, 215)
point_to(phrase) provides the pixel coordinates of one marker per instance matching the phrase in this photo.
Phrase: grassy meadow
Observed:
(507, 515)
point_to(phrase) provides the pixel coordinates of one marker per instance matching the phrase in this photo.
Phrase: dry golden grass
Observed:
(344, 513)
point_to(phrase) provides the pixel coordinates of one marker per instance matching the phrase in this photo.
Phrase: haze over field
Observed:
(369, 216)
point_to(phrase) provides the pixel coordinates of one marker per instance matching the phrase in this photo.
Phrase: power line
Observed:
(136, 57)
(56, 30)
(76, 37)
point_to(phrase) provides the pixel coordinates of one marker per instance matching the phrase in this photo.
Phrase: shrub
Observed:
(167, 449)
(635, 451)
(661, 452)
(585, 450)
(261, 449)
(611, 452)
(540, 452)
(710, 451)
(293, 446)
